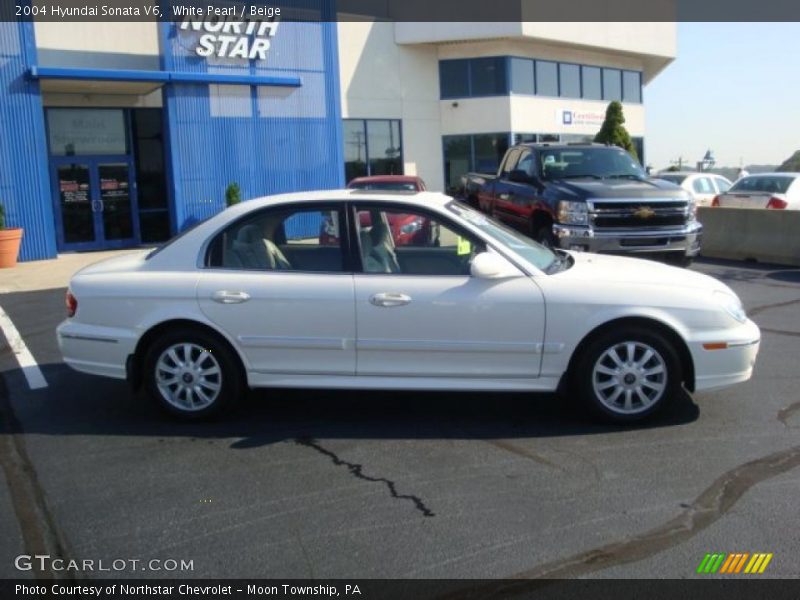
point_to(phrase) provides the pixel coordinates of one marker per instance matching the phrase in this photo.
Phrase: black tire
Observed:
(680, 260)
(544, 235)
(229, 381)
(601, 403)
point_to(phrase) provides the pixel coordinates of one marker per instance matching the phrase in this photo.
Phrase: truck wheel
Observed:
(191, 374)
(544, 235)
(627, 374)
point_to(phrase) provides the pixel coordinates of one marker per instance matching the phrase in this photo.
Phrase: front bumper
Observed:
(685, 240)
(721, 367)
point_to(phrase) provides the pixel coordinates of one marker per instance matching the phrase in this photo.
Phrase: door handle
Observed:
(504, 196)
(226, 297)
(97, 206)
(390, 299)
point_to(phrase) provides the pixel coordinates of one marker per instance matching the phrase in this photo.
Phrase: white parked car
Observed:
(311, 290)
(702, 186)
(765, 190)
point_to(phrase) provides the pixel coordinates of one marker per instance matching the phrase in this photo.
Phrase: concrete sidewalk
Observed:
(49, 274)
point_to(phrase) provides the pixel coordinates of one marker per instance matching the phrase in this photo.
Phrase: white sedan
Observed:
(311, 290)
(765, 190)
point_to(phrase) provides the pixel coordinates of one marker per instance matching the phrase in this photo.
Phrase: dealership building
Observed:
(121, 134)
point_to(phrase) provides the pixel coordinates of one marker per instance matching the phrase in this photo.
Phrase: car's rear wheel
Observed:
(192, 374)
(627, 374)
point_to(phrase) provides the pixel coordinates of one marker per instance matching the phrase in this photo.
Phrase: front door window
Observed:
(115, 198)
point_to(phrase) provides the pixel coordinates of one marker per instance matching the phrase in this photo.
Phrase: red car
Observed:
(406, 229)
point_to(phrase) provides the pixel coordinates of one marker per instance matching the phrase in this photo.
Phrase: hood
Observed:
(648, 189)
(609, 269)
(116, 264)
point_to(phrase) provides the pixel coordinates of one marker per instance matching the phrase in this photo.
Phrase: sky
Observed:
(734, 88)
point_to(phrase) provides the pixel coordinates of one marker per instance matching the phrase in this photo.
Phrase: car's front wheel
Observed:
(627, 374)
(192, 374)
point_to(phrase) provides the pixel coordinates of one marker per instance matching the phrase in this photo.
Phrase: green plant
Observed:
(613, 130)
(233, 194)
(2, 217)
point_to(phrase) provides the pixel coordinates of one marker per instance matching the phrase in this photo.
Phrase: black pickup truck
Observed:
(588, 197)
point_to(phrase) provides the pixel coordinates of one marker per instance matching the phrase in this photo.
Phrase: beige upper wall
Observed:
(113, 37)
(651, 46)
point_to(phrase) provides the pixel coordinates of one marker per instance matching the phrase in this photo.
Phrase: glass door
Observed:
(95, 202)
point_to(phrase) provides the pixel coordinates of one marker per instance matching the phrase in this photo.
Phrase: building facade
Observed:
(122, 134)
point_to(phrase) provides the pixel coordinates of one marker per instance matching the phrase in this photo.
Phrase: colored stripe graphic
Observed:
(734, 563)
(728, 563)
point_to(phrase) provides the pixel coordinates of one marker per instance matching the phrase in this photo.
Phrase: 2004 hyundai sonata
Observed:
(311, 290)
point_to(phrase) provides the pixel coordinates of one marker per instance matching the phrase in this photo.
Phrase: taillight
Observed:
(776, 203)
(715, 201)
(71, 303)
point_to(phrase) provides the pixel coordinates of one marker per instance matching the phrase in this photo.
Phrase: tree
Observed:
(613, 130)
(791, 164)
(232, 194)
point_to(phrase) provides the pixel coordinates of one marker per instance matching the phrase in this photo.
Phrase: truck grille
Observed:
(638, 214)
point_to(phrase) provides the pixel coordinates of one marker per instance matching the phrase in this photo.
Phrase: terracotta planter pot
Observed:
(10, 240)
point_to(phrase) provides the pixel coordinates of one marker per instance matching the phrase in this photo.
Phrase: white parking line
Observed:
(25, 359)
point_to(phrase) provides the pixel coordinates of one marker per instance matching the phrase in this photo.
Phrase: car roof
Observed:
(385, 179)
(781, 174)
(344, 195)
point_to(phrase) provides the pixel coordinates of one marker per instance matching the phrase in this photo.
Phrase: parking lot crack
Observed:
(357, 471)
(787, 413)
(712, 503)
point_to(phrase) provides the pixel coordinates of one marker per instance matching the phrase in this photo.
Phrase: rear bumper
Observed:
(685, 240)
(96, 350)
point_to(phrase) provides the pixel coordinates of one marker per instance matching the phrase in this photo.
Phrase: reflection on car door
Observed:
(420, 314)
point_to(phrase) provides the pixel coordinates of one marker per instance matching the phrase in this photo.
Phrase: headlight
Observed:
(573, 213)
(731, 305)
(692, 207)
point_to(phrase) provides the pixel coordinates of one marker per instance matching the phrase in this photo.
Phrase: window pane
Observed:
(549, 137)
(570, 80)
(546, 78)
(355, 148)
(454, 78)
(384, 147)
(592, 89)
(522, 76)
(412, 243)
(489, 151)
(488, 76)
(76, 131)
(722, 185)
(282, 240)
(612, 84)
(456, 158)
(631, 86)
(524, 138)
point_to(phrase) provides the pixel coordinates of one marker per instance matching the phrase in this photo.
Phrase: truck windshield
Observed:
(603, 162)
(540, 256)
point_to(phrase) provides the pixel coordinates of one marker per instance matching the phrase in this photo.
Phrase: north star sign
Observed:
(232, 39)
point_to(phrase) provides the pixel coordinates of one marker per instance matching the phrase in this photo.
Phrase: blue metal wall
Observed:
(24, 181)
(267, 139)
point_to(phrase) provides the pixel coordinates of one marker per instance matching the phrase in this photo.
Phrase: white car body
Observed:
(702, 186)
(515, 331)
(757, 191)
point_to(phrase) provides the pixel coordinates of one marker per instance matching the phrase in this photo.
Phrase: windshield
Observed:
(541, 257)
(595, 162)
(754, 183)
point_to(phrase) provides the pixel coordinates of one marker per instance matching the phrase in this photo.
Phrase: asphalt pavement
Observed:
(323, 484)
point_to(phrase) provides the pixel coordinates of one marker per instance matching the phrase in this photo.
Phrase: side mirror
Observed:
(488, 265)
